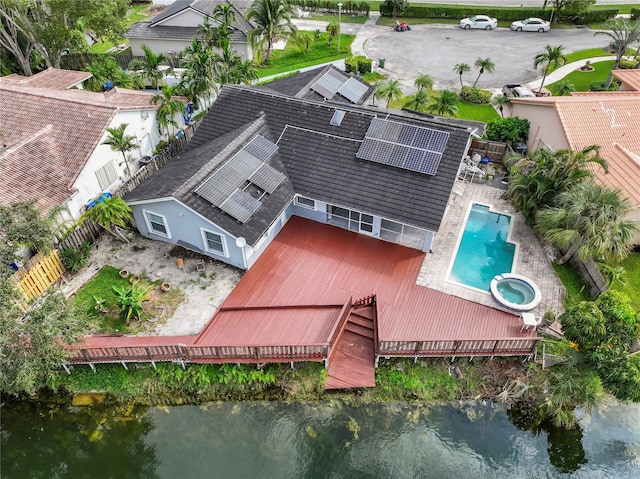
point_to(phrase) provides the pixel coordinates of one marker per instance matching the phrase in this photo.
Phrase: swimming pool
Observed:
(483, 251)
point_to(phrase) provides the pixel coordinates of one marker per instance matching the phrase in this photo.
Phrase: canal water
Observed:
(309, 440)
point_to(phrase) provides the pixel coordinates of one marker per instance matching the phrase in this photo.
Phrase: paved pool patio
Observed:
(531, 259)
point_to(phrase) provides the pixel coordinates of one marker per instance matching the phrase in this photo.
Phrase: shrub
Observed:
(599, 86)
(461, 11)
(475, 95)
(591, 16)
(364, 65)
(635, 14)
(508, 130)
(358, 64)
(73, 259)
(628, 64)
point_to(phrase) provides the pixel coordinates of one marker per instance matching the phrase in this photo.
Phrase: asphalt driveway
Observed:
(435, 49)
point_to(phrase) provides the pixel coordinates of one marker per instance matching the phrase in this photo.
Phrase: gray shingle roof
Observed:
(179, 177)
(319, 158)
(299, 86)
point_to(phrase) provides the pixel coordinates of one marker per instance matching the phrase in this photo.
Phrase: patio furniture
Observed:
(530, 320)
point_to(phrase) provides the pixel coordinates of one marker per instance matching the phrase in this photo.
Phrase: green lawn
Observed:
(576, 289)
(631, 276)
(469, 111)
(294, 58)
(136, 13)
(583, 80)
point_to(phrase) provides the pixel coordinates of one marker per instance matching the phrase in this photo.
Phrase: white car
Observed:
(482, 22)
(531, 25)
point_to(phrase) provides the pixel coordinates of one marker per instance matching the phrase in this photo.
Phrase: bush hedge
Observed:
(475, 95)
(462, 11)
(635, 14)
(508, 130)
(594, 16)
(599, 86)
(358, 64)
(628, 64)
(331, 7)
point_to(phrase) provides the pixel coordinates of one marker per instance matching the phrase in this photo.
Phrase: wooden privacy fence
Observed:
(476, 347)
(495, 150)
(38, 274)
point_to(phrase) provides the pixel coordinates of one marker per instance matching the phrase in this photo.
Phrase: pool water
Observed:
(522, 295)
(483, 251)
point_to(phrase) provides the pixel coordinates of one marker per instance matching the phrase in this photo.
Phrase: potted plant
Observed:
(134, 278)
(124, 273)
(165, 286)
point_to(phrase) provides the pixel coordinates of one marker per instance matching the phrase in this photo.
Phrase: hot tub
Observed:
(515, 292)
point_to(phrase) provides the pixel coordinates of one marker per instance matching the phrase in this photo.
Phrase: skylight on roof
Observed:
(337, 117)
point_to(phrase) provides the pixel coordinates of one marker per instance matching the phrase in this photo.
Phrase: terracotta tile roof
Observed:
(49, 135)
(630, 77)
(610, 120)
(52, 78)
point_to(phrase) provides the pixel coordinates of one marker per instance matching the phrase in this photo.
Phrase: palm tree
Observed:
(460, 69)
(244, 72)
(169, 107)
(389, 90)
(423, 82)
(150, 66)
(120, 142)
(623, 34)
(446, 104)
(565, 87)
(537, 179)
(552, 57)
(304, 40)
(483, 65)
(198, 80)
(418, 102)
(590, 221)
(272, 20)
(226, 13)
(333, 29)
(111, 213)
(501, 101)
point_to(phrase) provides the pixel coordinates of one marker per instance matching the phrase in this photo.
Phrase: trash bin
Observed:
(520, 148)
(381, 62)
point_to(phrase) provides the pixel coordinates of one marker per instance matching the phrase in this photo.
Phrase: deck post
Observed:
(153, 363)
(375, 364)
(291, 364)
(66, 369)
(326, 363)
(92, 366)
(124, 365)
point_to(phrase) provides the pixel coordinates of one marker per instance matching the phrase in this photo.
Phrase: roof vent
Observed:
(337, 117)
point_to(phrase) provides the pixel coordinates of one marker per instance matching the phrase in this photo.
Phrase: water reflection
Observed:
(313, 440)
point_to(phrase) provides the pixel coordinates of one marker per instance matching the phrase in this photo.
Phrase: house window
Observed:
(402, 234)
(306, 202)
(157, 224)
(107, 175)
(213, 242)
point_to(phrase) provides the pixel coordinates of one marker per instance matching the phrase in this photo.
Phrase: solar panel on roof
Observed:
(261, 148)
(267, 178)
(353, 90)
(329, 84)
(413, 147)
(241, 205)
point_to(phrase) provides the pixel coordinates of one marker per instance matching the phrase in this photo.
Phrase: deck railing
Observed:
(475, 347)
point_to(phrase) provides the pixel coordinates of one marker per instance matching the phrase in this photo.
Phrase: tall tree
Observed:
(199, 78)
(12, 36)
(170, 106)
(333, 29)
(623, 34)
(418, 102)
(272, 20)
(225, 14)
(423, 81)
(460, 69)
(483, 65)
(396, 6)
(150, 66)
(389, 90)
(552, 57)
(590, 221)
(122, 143)
(112, 213)
(446, 104)
(537, 179)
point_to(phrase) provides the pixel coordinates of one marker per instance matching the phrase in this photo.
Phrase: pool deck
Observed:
(531, 260)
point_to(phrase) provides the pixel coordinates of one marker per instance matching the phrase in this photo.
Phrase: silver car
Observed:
(482, 22)
(531, 25)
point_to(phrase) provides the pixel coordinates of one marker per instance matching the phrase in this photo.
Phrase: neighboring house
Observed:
(173, 29)
(608, 119)
(259, 157)
(325, 83)
(52, 134)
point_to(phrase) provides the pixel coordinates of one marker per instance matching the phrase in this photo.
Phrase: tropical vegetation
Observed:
(272, 20)
(623, 33)
(482, 65)
(552, 57)
(121, 142)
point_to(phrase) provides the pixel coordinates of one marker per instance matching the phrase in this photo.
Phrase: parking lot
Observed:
(435, 49)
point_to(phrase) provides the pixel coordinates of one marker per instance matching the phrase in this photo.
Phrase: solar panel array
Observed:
(333, 82)
(404, 146)
(222, 188)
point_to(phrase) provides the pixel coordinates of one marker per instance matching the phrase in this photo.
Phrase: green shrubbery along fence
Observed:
(635, 14)
(475, 95)
(594, 16)
(331, 7)
(358, 64)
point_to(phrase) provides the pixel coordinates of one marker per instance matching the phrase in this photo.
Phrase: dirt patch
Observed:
(204, 291)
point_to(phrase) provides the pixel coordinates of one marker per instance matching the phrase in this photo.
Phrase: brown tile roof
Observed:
(610, 120)
(50, 134)
(52, 78)
(630, 77)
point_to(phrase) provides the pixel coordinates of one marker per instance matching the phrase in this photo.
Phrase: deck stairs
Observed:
(352, 361)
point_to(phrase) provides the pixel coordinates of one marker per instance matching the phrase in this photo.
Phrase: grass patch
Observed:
(159, 306)
(576, 289)
(583, 80)
(373, 77)
(631, 277)
(136, 13)
(470, 111)
(294, 58)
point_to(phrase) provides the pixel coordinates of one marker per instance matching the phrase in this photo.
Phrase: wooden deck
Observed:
(294, 304)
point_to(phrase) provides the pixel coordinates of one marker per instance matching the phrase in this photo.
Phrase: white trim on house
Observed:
(148, 221)
(223, 243)
(310, 202)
